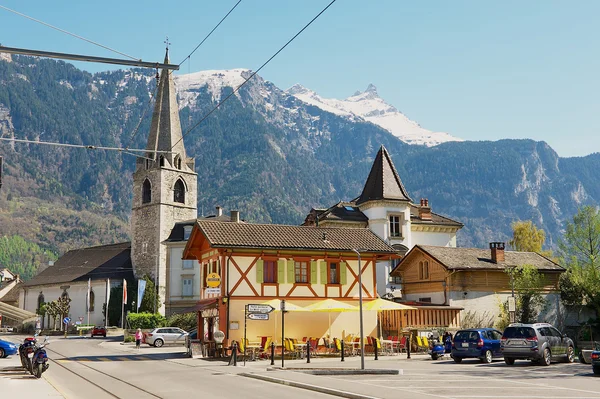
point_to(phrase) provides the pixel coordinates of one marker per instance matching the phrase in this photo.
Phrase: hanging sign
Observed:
(213, 280)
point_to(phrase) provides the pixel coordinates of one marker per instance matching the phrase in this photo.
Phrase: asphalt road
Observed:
(99, 368)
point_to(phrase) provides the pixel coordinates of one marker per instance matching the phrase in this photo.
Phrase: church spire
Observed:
(165, 129)
(383, 182)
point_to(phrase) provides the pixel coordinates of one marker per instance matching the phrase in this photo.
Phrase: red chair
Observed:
(402, 345)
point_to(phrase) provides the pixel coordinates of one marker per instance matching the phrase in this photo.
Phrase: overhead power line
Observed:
(210, 33)
(253, 74)
(68, 33)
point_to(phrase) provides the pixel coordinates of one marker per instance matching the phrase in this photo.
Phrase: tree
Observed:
(42, 310)
(52, 310)
(528, 238)
(528, 284)
(580, 255)
(63, 307)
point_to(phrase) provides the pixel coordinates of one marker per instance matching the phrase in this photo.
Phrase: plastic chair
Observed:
(419, 343)
(425, 343)
(402, 345)
(265, 351)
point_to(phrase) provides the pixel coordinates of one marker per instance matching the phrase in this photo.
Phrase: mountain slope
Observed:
(265, 152)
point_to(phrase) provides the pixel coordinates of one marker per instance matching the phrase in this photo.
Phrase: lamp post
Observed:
(360, 312)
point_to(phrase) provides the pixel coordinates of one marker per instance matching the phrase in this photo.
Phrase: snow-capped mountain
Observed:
(372, 108)
(277, 107)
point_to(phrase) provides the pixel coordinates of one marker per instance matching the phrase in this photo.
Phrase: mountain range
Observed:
(270, 153)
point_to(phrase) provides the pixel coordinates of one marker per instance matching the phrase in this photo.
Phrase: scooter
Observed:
(39, 360)
(436, 349)
(25, 349)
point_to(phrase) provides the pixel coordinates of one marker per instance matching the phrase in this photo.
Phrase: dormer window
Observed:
(187, 230)
(146, 192)
(179, 192)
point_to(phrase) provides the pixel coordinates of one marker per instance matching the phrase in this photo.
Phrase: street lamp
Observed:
(360, 312)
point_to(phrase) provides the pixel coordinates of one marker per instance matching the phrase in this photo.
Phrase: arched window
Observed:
(40, 300)
(146, 192)
(65, 294)
(178, 162)
(179, 192)
(162, 161)
(92, 300)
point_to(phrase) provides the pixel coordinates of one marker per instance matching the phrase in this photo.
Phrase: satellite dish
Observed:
(219, 336)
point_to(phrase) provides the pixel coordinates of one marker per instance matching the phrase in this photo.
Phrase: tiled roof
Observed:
(12, 295)
(275, 236)
(383, 181)
(436, 219)
(475, 259)
(345, 211)
(106, 261)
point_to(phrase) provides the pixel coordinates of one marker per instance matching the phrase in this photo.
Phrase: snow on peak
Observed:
(372, 108)
(188, 85)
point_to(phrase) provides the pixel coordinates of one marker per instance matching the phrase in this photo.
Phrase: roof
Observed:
(453, 258)
(346, 211)
(276, 236)
(383, 181)
(436, 219)
(105, 261)
(13, 294)
(177, 233)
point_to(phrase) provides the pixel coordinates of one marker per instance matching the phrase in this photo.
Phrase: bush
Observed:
(185, 321)
(129, 338)
(145, 320)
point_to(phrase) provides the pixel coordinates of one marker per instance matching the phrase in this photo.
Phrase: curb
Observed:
(338, 371)
(314, 388)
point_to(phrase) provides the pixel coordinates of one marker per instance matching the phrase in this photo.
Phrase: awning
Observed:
(200, 306)
(15, 313)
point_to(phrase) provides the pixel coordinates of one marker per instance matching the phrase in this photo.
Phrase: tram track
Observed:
(56, 362)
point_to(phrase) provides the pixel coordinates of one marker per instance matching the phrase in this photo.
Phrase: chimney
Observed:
(219, 211)
(497, 249)
(424, 210)
(235, 216)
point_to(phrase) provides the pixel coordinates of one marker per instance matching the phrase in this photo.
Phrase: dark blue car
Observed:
(481, 343)
(7, 348)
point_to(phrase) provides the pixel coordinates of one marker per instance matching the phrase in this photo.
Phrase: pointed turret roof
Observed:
(165, 130)
(383, 182)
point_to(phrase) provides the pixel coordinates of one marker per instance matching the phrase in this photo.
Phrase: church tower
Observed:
(164, 187)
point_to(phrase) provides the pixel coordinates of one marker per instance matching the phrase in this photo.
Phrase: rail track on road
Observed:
(100, 372)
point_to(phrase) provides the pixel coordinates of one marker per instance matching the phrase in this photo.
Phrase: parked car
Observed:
(166, 335)
(539, 342)
(7, 348)
(481, 343)
(99, 331)
(596, 361)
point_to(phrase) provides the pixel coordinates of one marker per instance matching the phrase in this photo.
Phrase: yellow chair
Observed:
(419, 343)
(425, 343)
(266, 350)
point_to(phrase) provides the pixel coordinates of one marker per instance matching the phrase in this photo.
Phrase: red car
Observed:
(99, 331)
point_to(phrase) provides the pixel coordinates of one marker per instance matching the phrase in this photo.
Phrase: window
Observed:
(187, 287)
(334, 273)
(395, 226)
(40, 300)
(179, 192)
(426, 299)
(205, 275)
(424, 270)
(92, 300)
(187, 231)
(301, 272)
(162, 161)
(269, 271)
(146, 192)
(148, 164)
(178, 162)
(395, 279)
(188, 264)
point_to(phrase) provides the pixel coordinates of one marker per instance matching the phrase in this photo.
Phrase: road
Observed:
(102, 368)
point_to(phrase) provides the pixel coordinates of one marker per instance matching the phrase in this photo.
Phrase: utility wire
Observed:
(210, 33)
(69, 33)
(253, 74)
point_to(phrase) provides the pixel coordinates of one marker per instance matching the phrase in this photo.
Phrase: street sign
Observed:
(258, 316)
(213, 290)
(512, 306)
(66, 320)
(258, 308)
(213, 280)
(80, 318)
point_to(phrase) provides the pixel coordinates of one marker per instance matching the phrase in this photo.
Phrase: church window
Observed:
(146, 192)
(179, 192)
(178, 162)
(395, 226)
(40, 300)
(92, 301)
(162, 161)
(65, 295)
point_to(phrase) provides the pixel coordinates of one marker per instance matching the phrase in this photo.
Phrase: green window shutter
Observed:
(291, 276)
(313, 271)
(324, 272)
(343, 273)
(260, 272)
(281, 271)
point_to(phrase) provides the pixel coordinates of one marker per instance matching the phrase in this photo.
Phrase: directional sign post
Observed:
(66, 320)
(260, 308)
(258, 316)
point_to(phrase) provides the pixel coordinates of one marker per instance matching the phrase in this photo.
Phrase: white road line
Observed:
(400, 389)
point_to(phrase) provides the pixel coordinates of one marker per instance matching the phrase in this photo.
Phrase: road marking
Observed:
(141, 358)
(124, 359)
(104, 359)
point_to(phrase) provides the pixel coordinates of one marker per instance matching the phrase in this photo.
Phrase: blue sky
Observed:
(478, 70)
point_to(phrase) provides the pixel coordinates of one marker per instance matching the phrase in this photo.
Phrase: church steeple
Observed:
(165, 131)
(383, 182)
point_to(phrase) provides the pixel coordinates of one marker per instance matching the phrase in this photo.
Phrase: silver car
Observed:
(539, 342)
(166, 335)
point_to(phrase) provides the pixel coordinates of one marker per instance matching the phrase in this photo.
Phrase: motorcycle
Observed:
(436, 349)
(39, 360)
(26, 348)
